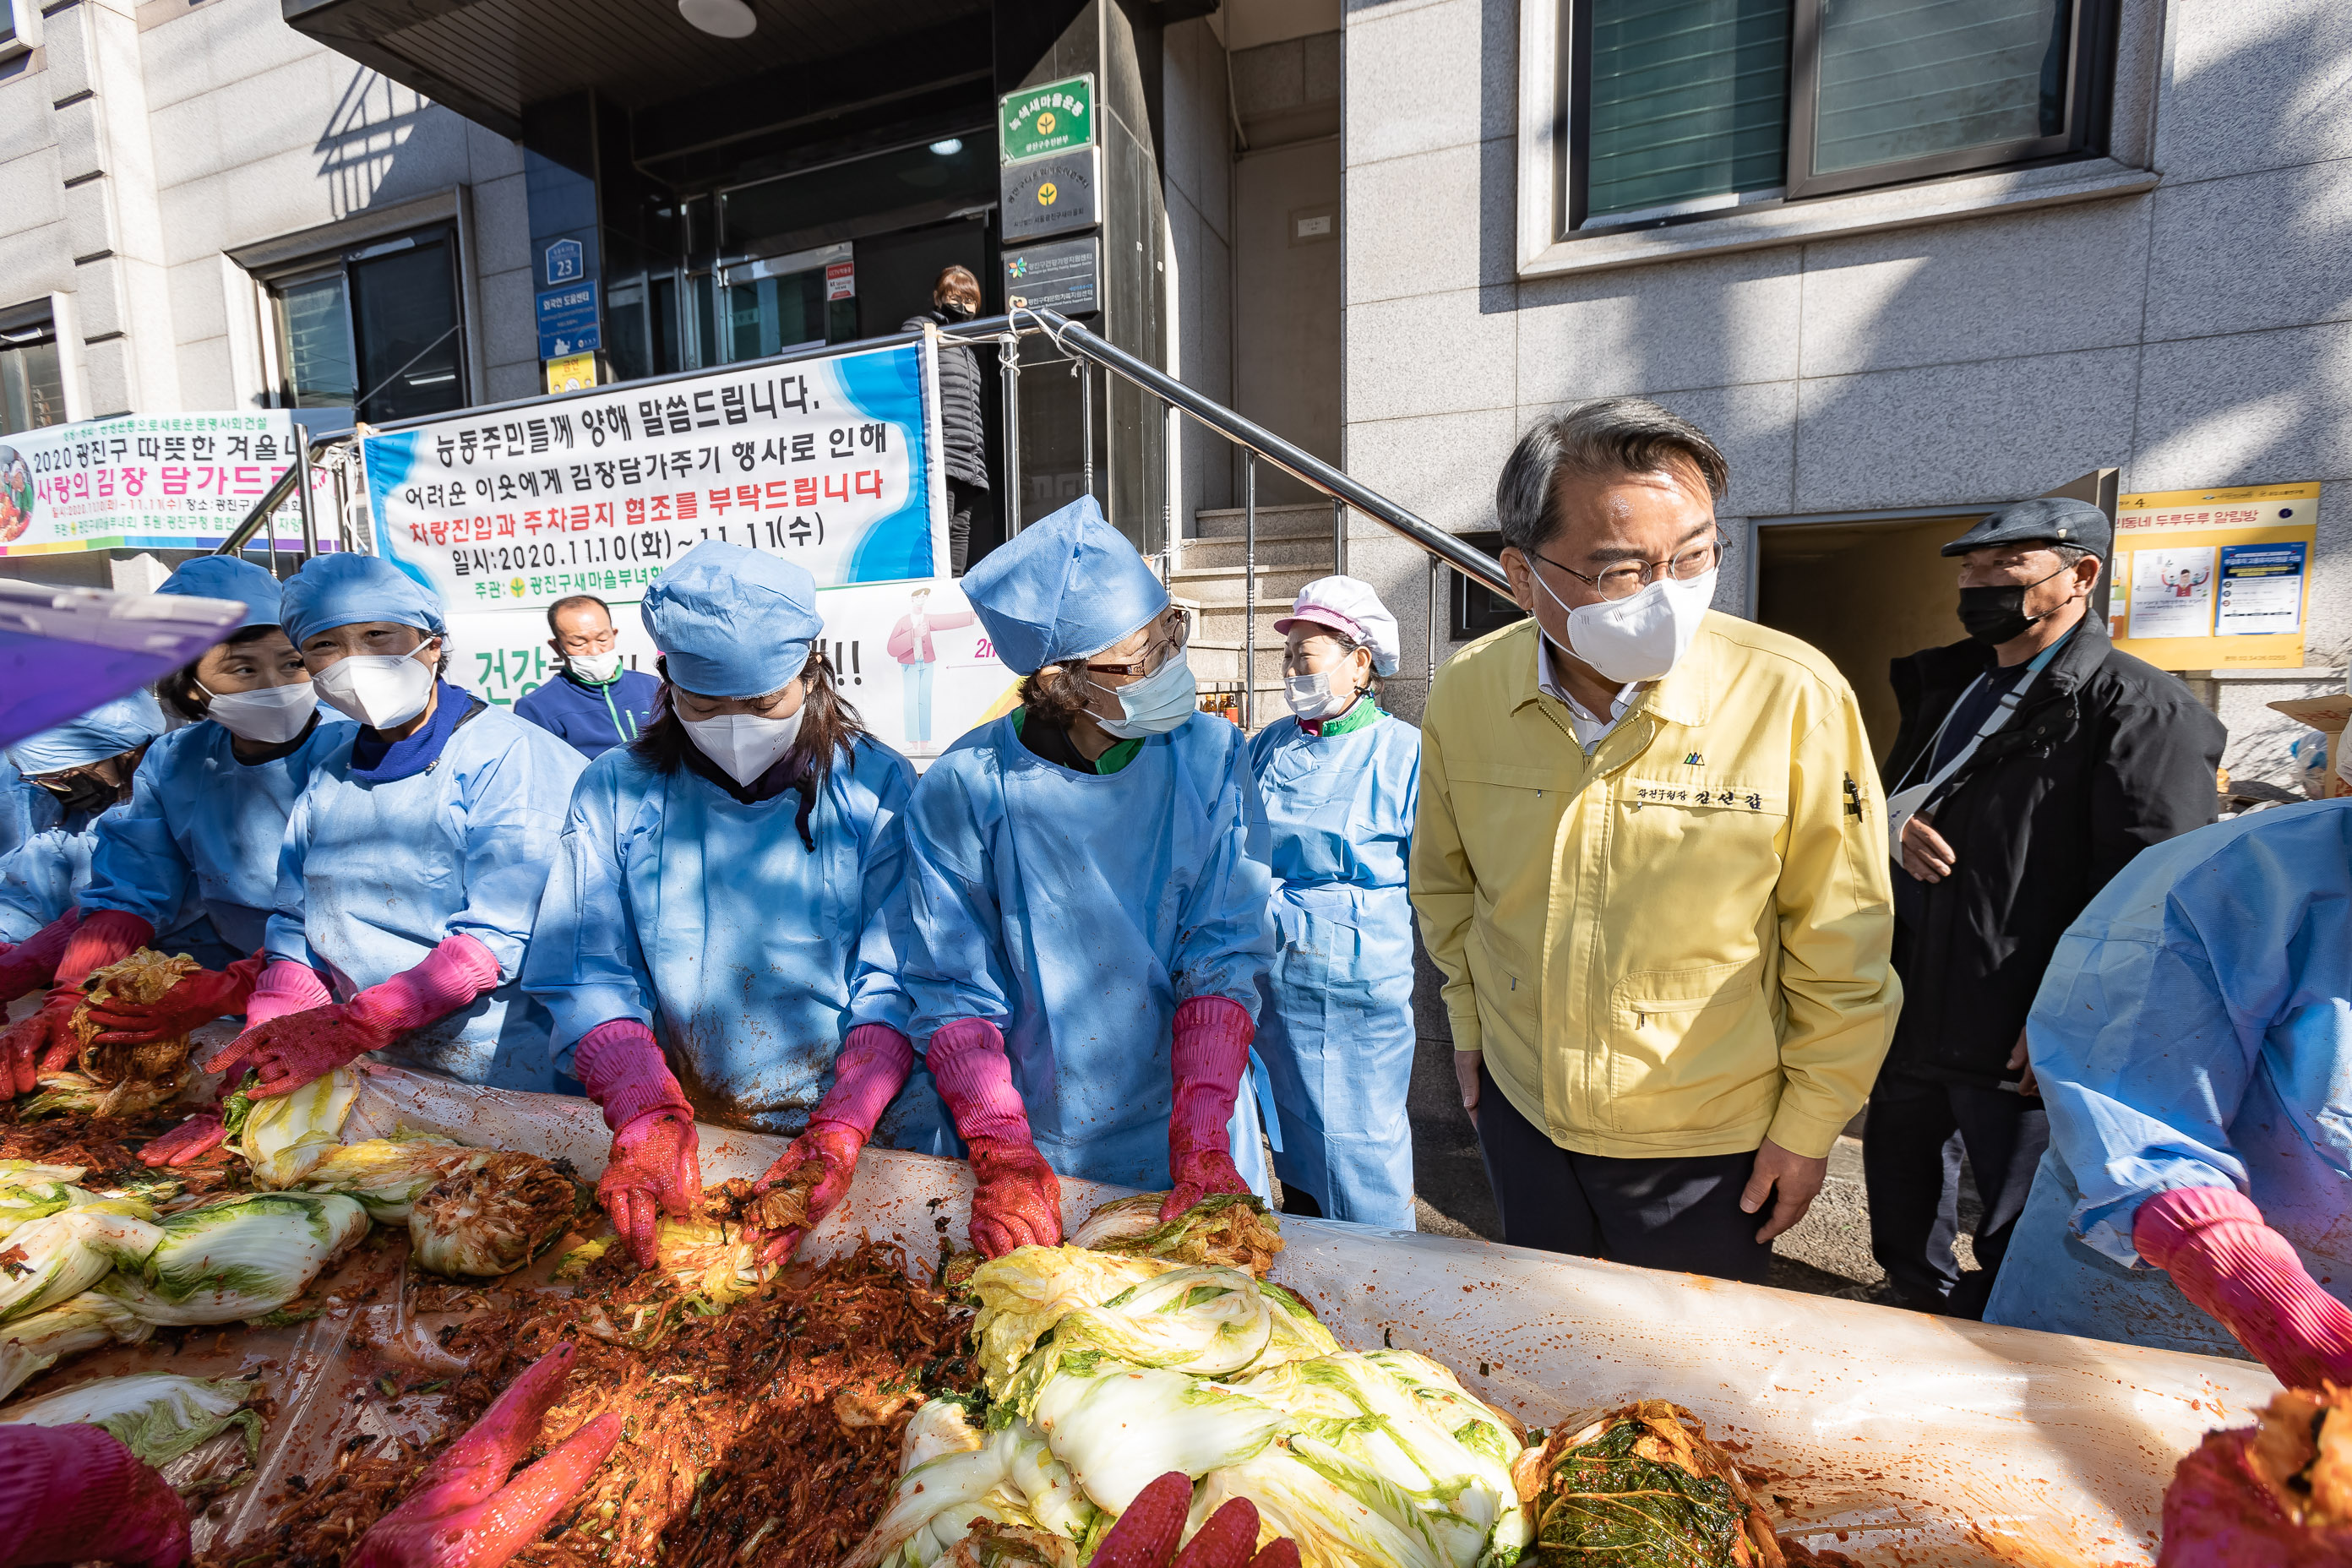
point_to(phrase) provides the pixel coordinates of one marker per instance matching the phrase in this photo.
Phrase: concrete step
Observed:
(1226, 522)
(1309, 550)
(1223, 587)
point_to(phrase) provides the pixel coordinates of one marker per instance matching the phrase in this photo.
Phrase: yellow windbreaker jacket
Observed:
(1679, 944)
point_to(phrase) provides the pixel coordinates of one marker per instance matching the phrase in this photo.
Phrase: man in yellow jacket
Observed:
(1651, 860)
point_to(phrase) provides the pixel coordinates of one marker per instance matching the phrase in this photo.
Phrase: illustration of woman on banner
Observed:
(911, 644)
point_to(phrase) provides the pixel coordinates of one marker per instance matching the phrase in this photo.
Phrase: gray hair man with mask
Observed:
(2034, 760)
(1651, 862)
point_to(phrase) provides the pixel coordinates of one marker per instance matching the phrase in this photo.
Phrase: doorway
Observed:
(1866, 594)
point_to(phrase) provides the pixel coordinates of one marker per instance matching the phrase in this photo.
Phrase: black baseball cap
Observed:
(2057, 520)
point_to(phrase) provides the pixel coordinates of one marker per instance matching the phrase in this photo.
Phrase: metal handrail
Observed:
(271, 500)
(1303, 467)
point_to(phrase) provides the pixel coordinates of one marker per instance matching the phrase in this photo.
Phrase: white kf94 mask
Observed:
(270, 716)
(1640, 637)
(745, 745)
(379, 689)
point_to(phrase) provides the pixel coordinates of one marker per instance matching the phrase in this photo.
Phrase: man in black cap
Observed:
(2034, 760)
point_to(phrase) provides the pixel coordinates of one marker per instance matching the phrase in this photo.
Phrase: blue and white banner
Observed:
(833, 463)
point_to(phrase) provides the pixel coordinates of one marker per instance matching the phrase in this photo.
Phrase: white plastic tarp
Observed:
(1898, 1437)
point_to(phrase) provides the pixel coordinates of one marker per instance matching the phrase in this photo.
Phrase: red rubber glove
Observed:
(1147, 1533)
(1210, 1054)
(867, 1075)
(32, 963)
(298, 1048)
(196, 1000)
(465, 1513)
(2213, 1243)
(1018, 1202)
(190, 1141)
(656, 1164)
(103, 937)
(68, 1494)
(44, 1041)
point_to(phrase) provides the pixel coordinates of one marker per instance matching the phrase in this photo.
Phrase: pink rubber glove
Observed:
(68, 1494)
(44, 1042)
(1019, 1201)
(286, 986)
(2213, 1243)
(465, 1513)
(298, 1048)
(1210, 1053)
(867, 1075)
(32, 963)
(657, 1159)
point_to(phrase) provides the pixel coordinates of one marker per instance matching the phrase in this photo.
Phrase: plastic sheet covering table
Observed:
(1896, 1438)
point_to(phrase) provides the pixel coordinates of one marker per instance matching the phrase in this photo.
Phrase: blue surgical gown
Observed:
(748, 954)
(1074, 912)
(49, 873)
(372, 878)
(25, 808)
(1336, 1032)
(2192, 1030)
(202, 825)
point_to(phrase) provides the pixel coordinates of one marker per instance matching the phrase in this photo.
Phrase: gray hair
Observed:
(1605, 438)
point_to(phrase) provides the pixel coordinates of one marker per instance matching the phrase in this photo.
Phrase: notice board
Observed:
(2215, 579)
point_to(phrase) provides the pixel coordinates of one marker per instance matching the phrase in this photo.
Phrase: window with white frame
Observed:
(32, 380)
(1681, 107)
(377, 329)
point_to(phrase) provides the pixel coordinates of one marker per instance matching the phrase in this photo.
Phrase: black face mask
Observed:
(1997, 615)
(956, 309)
(83, 793)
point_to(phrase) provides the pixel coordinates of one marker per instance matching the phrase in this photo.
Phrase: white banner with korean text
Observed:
(831, 463)
(166, 481)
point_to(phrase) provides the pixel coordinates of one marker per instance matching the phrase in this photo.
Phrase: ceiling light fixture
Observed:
(948, 148)
(719, 18)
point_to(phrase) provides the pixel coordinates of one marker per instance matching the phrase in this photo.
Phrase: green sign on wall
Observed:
(1053, 118)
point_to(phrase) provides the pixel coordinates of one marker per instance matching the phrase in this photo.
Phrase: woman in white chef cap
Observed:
(1340, 778)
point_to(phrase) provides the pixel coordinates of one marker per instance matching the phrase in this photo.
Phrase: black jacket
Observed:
(2105, 757)
(962, 430)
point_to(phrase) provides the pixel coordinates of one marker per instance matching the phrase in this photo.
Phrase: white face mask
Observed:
(1154, 705)
(379, 689)
(745, 745)
(1640, 637)
(596, 669)
(268, 717)
(1311, 697)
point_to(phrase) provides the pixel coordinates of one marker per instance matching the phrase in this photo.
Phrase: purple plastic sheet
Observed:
(63, 651)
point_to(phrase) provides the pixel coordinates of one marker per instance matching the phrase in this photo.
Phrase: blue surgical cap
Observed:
(732, 622)
(226, 577)
(344, 590)
(1063, 587)
(107, 731)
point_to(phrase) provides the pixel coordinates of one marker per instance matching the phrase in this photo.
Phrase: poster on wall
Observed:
(167, 482)
(2215, 579)
(831, 462)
